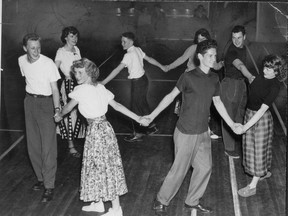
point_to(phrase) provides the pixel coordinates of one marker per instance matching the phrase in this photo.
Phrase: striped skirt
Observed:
(102, 174)
(73, 125)
(257, 144)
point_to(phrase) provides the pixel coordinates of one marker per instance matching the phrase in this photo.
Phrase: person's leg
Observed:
(71, 120)
(116, 209)
(257, 145)
(186, 147)
(202, 169)
(139, 105)
(47, 129)
(230, 98)
(33, 137)
(116, 204)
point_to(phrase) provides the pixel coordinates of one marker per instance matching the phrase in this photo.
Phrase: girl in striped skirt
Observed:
(258, 128)
(102, 174)
(72, 126)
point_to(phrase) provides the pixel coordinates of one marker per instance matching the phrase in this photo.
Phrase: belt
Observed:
(135, 79)
(236, 78)
(38, 96)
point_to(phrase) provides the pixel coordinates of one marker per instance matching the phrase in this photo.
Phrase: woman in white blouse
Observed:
(72, 125)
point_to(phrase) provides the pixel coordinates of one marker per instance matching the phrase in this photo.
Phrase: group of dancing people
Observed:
(102, 173)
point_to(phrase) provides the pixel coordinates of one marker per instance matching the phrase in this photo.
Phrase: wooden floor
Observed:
(146, 165)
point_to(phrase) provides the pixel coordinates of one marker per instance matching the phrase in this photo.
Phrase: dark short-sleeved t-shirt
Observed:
(262, 91)
(233, 53)
(197, 90)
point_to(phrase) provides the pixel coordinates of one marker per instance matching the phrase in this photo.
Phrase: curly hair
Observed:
(273, 62)
(67, 30)
(90, 67)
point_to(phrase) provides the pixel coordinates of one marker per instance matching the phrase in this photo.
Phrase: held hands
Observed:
(238, 128)
(143, 120)
(57, 117)
(165, 68)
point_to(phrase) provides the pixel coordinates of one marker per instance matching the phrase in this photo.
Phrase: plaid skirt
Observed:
(257, 144)
(102, 174)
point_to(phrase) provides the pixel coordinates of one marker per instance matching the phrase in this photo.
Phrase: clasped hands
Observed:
(57, 117)
(238, 128)
(145, 120)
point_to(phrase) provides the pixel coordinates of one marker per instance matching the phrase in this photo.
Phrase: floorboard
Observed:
(145, 164)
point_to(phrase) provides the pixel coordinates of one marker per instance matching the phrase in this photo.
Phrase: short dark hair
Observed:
(90, 67)
(274, 62)
(203, 32)
(239, 28)
(67, 30)
(129, 35)
(30, 36)
(202, 48)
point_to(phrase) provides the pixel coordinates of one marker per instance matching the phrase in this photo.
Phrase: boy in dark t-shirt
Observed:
(234, 90)
(199, 88)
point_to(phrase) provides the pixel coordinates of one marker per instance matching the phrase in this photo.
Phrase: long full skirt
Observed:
(102, 174)
(257, 144)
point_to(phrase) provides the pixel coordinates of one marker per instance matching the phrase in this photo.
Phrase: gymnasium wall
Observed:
(164, 30)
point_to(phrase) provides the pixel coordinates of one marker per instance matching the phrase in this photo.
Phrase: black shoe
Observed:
(134, 138)
(200, 208)
(38, 186)
(152, 130)
(159, 207)
(232, 154)
(47, 195)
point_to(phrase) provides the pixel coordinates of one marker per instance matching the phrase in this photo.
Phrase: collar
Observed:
(202, 72)
(130, 48)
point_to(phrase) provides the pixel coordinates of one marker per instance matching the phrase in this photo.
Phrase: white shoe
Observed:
(214, 136)
(112, 212)
(94, 207)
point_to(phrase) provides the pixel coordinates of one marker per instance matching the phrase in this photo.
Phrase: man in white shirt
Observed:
(133, 60)
(40, 103)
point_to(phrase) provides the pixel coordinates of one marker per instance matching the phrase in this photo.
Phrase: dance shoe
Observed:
(38, 186)
(247, 191)
(94, 207)
(47, 195)
(200, 208)
(159, 207)
(134, 138)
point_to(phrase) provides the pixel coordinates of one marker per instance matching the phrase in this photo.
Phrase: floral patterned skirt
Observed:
(102, 174)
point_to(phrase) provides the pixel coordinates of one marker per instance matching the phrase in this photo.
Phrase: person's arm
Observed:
(66, 109)
(55, 95)
(154, 62)
(113, 74)
(120, 108)
(223, 112)
(57, 63)
(240, 66)
(256, 117)
(168, 99)
(218, 66)
(190, 51)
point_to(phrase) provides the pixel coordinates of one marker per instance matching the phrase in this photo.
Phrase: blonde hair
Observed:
(90, 67)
